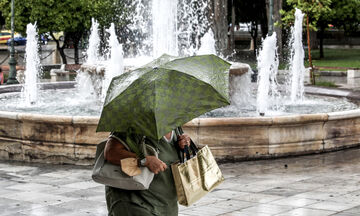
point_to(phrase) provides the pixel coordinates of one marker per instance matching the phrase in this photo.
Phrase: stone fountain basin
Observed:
(72, 139)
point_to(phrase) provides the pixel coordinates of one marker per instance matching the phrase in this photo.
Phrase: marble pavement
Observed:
(314, 185)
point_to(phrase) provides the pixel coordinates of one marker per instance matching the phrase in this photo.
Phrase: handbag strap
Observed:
(179, 131)
(130, 144)
(135, 148)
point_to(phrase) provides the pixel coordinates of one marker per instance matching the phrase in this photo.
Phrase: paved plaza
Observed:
(316, 185)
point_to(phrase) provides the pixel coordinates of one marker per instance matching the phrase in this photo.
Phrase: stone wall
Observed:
(73, 140)
(50, 139)
(267, 137)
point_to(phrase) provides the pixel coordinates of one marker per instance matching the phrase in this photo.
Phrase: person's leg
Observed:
(122, 208)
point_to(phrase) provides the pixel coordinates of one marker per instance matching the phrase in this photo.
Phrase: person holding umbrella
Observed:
(151, 101)
(160, 198)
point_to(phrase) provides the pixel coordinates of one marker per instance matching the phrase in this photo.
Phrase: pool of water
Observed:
(66, 102)
(69, 102)
(311, 104)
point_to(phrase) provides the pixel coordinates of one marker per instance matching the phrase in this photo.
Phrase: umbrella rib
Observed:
(155, 107)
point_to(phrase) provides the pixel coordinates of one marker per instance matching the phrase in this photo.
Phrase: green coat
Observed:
(159, 199)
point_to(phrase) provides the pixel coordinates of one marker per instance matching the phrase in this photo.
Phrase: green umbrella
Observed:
(165, 94)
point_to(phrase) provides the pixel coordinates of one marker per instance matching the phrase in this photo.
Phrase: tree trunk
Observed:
(232, 35)
(76, 37)
(220, 25)
(60, 49)
(264, 22)
(277, 28)
(312, 76)
(321, 35)
(254, 34)
(314, 42)
(76, 52)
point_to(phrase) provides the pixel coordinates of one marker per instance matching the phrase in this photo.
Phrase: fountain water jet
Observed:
(32, 59)
(92, 52)
(164, 17)
(297, 68)
(207, 44)
(94, 77)
(268, 67)
(115, 64)
(172, 27)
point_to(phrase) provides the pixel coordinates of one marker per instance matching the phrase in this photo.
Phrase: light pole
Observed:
(271, 22)
(12, 60)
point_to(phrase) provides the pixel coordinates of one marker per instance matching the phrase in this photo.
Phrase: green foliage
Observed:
(345, 15)
(69, 16)
(337, 58)
(66, 15)
(118, 12)
(312, 8)
(325, 84)
(50, 15)
(111, 11)
(21, 12)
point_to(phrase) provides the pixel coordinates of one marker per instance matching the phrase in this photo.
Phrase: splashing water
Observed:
(94, 43)
(173, 27)
(30, 90)
(297, 68)
(194, 21)
(115, 62)
(84, 86)
(164, 17)
(240, 88)
(141, 28)
(268, 67)
(207, 44)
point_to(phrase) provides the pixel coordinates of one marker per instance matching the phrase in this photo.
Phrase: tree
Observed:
(71, 17)
(118, 12)
(220, 25)
(21, 12)
(277, 28)
(344, 14)
(253, 12)
(313, 10)
(2, 20)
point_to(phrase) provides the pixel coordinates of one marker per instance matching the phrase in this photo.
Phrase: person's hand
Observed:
(183, 140)
(154, 164)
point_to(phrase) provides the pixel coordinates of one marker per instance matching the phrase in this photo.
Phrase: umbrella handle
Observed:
(181, 152)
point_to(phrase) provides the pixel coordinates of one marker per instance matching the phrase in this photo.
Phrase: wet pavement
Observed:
(316, 185)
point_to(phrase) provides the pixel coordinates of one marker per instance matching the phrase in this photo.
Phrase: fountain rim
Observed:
(207, 122)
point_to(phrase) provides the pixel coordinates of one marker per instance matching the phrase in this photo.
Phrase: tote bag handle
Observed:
(179, 131)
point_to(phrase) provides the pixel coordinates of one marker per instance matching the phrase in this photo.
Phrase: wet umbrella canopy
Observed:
(165, 94)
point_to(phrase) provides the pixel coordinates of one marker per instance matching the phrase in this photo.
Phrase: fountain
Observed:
(207, 44)
(115, 64)
(164, 18)
(32, 65)
(92, 52)
(297, 59)
(267, 64)
(66, 134)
